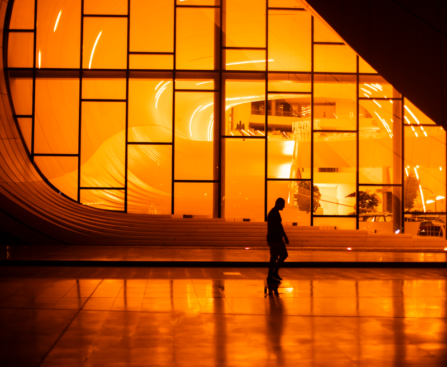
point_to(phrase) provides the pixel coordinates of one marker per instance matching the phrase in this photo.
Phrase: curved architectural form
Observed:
(207, 108)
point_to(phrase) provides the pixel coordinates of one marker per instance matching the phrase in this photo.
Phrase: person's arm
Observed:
(286, 240)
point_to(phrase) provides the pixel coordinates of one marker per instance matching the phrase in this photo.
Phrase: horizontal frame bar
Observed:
(105, 16)
(147, 143)
(102, 100)
(330, 43)
(196, 181)
(102, 188)
(54, 155)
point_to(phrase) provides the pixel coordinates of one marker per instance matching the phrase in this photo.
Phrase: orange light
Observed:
(406, 171)
(248, 62)
(93, 50)
(349, 249)
(365, 90)
(422, 196)
(412, 114)
(57, 21)
(377, 103)
(40, 56)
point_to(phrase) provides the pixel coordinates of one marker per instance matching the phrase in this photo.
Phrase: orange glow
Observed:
(249, 62)
(377, 103)
(40, 56)
(412, 114)
(422, 196)
(93, 50)
(57, 21)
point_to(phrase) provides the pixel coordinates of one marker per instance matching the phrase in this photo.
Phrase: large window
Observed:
(215, 108)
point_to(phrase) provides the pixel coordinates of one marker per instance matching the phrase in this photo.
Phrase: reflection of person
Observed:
(275, 239)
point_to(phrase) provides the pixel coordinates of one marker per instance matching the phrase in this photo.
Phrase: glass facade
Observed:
(215, 109)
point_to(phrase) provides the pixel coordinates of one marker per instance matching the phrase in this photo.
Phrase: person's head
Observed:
(280, 204)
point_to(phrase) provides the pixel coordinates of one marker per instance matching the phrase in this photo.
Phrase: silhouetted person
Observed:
(275, 239)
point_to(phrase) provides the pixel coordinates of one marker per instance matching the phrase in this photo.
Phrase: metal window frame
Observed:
(34, 71)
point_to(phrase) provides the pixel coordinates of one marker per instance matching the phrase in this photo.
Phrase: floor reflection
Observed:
(397, 320)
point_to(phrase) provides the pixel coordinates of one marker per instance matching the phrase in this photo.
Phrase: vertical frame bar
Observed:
(312, 125)
(219, 110)
(357, 212)
(403, 163)
(266, 108)
(33, 111)
(173, 110)
(126, 167)
(80, 102)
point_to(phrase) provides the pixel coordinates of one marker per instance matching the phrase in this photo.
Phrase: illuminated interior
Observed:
(217, 108)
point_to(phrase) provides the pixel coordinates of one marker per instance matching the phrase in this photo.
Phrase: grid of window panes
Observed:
(217, 108)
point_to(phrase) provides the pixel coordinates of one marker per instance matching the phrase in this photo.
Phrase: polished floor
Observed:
(221, 317)
(178, 254)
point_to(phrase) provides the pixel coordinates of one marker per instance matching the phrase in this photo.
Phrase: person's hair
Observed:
(280, 201)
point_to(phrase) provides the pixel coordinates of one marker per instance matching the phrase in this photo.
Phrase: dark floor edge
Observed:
(220, 264)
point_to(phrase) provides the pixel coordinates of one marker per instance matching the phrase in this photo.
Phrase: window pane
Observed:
(197, 33)
(374, 86)
(202, 81)
(194, 198)
(22, 95)
(103, 199)
(364, 67)
(105, 7)
(22, 16)
(380, 208)
(289, 40)
(62, 172)
(289, 136)
(289, 83)
(20, 50)
(198, 2)
(335, 173)
(285, 4)
(105, 43)
(338, 223)
(244, 105)
(58, 34)
(425, 225)
(414, 116)
(244, 179)
(335, 102)
(156, 62)
(324, 33)
(380, 142)
(244, 60)
(335, 58)
(57, 116)
(297, 196)
(103, 86)
(26, 125)
(150, 110)
(194, 135)
(103, 144)
(244, 23)
(425, 167)
(152, 26)
(149, 179)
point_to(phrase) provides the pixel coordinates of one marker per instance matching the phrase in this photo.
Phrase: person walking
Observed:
(275, 239)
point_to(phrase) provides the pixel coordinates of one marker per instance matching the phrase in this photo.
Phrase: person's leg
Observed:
(283, 255)
(273, 258)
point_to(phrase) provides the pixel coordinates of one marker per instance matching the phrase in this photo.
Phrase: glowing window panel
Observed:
(286, 50)
(150, 110)
(104, 86)
(193, 198)
(245, 23)
(151, 26)
(196, 36)
(103, 150)
(156, 62)
(22, 94)
(286, 4)
(105, 7)
(62, 172)
(20, 50)
(22, 16)
(324, 33)
(103, 199)
(58, 34)
(105, 43)
(335, 58)
(289, 82)
(245, 60)
(149, 179)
